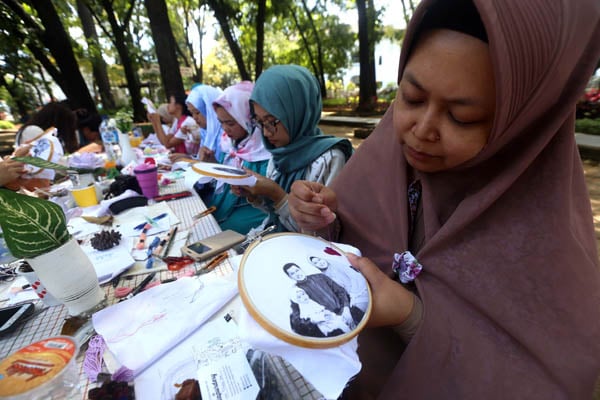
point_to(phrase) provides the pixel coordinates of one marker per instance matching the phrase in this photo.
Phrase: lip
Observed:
(418, 155)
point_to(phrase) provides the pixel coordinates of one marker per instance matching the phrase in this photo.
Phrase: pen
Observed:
(212, 264)
(171, 240)
(140, 287)
(165, 241)
(206, 212)
(173, 196)
(151, 221)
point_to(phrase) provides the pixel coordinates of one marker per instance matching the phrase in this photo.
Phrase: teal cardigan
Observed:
(235, 212)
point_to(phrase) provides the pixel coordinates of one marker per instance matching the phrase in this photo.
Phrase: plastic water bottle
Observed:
(109, 141)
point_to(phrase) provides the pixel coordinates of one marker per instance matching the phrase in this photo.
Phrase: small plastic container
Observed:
(42, 370)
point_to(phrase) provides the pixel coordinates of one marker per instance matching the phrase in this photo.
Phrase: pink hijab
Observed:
(236, 101)
(511, 279)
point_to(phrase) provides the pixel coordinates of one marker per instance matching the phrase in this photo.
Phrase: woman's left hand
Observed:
(392, 303)
(264, 187)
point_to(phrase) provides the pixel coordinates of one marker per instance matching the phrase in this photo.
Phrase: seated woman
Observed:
(62, 118)
(88, 124)
(241, 147)
(166, 119)
(175, 138)
(286, 102)
(200, 102)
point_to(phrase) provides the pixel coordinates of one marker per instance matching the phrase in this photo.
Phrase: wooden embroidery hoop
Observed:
(207, 169)
(51, 153)
(250, 267)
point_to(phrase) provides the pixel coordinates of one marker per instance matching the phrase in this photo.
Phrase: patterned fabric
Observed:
(406, 266)
(414, 195)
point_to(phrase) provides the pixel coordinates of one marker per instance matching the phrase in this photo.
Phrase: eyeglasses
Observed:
(270, 125)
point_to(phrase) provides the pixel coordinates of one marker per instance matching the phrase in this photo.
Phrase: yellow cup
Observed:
(135, 141)
(86, 196)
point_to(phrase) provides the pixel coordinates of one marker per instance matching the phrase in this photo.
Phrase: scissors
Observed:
(176, 263)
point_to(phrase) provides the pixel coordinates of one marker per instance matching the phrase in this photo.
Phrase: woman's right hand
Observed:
(312, 205)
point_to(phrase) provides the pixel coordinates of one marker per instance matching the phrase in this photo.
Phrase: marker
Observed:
(142, 242)
(140, 287)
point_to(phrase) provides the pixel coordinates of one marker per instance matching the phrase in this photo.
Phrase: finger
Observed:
(368, 268)
(305, 190)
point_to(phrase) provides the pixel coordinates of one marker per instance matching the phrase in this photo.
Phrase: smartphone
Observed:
(10, 317)
(213, 245)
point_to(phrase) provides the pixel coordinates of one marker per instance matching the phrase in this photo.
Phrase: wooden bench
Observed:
(7, 140)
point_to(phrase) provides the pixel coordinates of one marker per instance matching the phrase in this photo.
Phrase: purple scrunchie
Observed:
(406, 266)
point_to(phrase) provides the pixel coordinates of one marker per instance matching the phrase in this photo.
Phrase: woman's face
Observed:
(300, 296)
(197, 115)
(173, 108)
(234, 130)
(444, 108)
(271, 128)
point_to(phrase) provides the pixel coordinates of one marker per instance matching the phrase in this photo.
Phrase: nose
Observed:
(426, 127)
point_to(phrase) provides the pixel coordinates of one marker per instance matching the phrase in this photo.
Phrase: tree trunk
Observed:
(165, 46)
(320, 73)
(260, 38)
(122, 43)
(368, 86)
(56, 39)
(94, 52)
(221, 16)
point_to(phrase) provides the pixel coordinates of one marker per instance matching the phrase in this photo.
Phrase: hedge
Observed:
(587, 125)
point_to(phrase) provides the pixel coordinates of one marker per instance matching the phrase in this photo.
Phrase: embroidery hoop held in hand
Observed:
(47, 154)
(265, 288)
(216, 170)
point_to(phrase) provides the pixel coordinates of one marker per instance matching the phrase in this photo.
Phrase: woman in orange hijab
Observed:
(470, 207)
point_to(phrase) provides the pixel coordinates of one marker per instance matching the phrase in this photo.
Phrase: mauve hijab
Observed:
(511, 279)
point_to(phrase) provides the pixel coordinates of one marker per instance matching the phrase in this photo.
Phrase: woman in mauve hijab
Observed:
(469, 205)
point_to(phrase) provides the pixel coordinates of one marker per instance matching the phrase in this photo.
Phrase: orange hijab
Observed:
(511, 279)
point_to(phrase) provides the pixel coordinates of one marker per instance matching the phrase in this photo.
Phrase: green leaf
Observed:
(41, 163)
(31, 226)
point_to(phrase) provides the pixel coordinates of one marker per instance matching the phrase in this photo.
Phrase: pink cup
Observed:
(147, 177)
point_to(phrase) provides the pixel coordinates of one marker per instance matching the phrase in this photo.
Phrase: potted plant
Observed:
(36, 230)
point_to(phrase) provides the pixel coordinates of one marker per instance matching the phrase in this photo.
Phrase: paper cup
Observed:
(69, 275)
(147, 177)
(85, 197)
(39, 288)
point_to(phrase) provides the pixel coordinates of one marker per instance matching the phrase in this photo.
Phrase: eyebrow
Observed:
(464, 101)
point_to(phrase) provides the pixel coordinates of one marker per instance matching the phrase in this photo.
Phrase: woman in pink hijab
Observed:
(469, 205)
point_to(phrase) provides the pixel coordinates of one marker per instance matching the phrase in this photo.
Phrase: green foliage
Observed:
(587, 125)
(6, 125)
(124, 119)
(31, 226)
